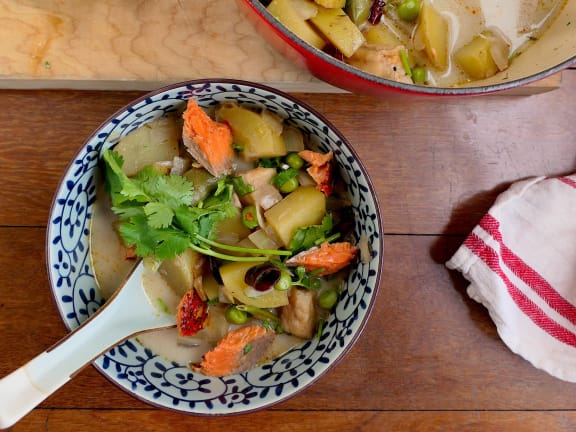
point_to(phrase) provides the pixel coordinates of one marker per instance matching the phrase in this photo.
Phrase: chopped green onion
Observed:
(243, 249)
(405, 62)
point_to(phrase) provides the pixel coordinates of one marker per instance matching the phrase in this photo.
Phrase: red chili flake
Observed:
(130, 253)
(192, 314)
(376, 11)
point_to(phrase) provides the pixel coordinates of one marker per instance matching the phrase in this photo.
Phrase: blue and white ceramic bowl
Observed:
(150, 377)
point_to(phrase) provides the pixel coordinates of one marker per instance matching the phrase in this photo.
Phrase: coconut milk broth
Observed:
(519, 22)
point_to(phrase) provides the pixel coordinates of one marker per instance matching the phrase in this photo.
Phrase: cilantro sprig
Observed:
(157, 216)
(306, 237)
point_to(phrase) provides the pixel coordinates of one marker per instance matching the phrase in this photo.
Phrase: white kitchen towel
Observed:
(520, 261)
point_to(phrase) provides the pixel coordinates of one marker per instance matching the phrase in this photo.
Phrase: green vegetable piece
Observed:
(408, 10)
(286, 176)
(294, 160)
(241, 187)
(306, 280)
(247, 348)
(419, 75)
(249, 217)
(285, 281)
(289, 185)
(327, 299)
(358, 10)
(312, 235)
(235, 316)
(405, 62)
(259, 313)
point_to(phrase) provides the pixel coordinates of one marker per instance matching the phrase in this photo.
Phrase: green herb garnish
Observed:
(156, 215)
(306, 237)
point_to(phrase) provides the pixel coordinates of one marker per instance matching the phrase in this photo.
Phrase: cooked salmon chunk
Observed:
(238, 351)
(208, 141)
(326, 259)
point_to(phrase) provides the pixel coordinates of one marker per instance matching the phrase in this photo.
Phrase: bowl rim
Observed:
(382, 84)
(377, 209)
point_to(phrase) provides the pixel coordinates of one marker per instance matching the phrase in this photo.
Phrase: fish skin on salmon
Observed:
(208, 141)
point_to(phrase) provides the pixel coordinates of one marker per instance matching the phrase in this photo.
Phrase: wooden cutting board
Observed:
(142, 45)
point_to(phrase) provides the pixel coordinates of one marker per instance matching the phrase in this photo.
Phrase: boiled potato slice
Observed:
(180, 272)
(251, 132)
(203, 183)
(475, 58)
(303, 207)
(287, 12)
(235, 287)
(380, 34)
(154, 142)
(339, 29)
(231, 230)
(433, 30)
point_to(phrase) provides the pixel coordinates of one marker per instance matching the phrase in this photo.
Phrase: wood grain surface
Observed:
(429, 359)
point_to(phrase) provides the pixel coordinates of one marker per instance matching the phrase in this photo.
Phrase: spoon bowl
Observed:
(128, 312)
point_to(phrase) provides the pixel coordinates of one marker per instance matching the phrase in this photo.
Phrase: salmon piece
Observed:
(329, 258)
(320, 169)
(239, 351)
(191, 314)
(208, 141)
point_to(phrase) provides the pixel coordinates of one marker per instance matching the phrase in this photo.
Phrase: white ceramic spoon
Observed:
(128, 312)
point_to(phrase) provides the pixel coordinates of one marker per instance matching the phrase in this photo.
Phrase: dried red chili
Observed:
(376, 11)
(192, 314)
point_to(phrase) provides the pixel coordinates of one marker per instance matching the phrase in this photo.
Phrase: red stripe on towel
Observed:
(568, 180)
(530, 309)
(527, 274)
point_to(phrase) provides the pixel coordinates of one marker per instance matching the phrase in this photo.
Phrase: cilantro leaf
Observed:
(159, 214)
(283, 176)
(306, 237)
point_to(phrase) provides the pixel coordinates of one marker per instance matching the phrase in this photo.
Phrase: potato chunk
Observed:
(303, 207)
(475, 58)
(287, 12)
(184, 272)
(235, 287)
(252, 132)
(339, 29)
(156, 141)
(432, 32)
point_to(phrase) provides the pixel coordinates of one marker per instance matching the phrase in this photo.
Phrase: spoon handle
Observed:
(128, 312)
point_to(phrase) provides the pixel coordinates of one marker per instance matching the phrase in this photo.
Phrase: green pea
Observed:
(419, 75)
(327, 299)
(235, 316)
(294, 160)
(249, 217)
(289, 185)
(408, 10)
(284, 282)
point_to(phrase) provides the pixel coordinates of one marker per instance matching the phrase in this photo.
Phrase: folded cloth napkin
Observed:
(521, 263)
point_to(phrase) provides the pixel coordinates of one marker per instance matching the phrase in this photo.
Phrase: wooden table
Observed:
(429, 358)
